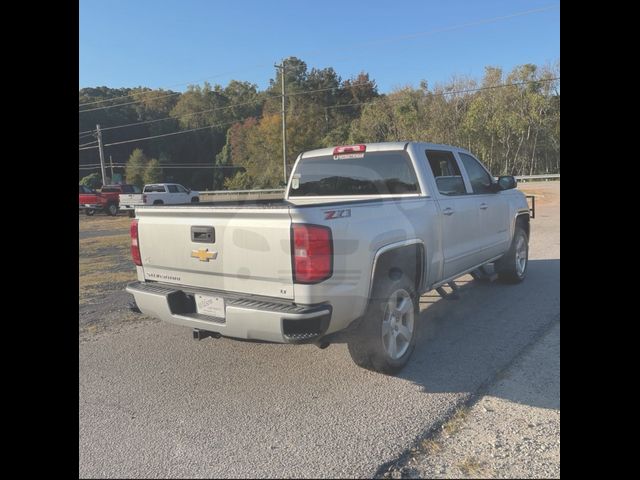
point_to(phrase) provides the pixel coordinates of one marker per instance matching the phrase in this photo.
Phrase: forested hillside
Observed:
(510, 120)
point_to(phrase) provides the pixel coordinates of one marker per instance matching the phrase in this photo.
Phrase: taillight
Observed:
(144, 199)
(135, 246)
(349, 149)
(312, 253)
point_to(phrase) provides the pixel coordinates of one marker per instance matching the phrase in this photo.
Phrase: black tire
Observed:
(158, 202)
(90, 212)
(132, 213)
(111, 209)
(368, 347)
(195, 200)
(512, 267)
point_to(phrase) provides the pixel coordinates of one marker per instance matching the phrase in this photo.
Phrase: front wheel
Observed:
(387, 335)
(195, 200)
(512, 267)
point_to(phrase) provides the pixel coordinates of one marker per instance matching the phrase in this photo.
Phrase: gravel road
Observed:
(155, 403)
(513, 431)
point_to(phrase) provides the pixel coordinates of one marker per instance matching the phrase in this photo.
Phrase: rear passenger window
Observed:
(172, 188)
(446, 172)
(478, 176)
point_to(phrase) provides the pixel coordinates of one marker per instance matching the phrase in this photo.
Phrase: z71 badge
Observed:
(331, 214)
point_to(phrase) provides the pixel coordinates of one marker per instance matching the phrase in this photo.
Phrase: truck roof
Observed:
(381, 147)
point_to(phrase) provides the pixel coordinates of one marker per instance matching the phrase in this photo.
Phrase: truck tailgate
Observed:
(235, 249)
(131, 198)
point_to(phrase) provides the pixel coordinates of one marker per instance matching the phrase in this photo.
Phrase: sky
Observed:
(173, 43)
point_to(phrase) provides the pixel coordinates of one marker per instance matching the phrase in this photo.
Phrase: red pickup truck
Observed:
(106, 200)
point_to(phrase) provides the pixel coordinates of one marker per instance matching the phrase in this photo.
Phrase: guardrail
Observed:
(550, 176)
(237, 195)
(234, 192)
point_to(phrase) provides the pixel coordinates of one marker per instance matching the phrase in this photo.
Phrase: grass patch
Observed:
(455, 423)
(431, 447)
(472, 467)
(91, 245)
(103, 222)
(103, 266)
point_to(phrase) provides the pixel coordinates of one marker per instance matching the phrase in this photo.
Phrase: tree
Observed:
(512, 129)
(240, 181)
(92, 180)
(153, 172)
(136, 166)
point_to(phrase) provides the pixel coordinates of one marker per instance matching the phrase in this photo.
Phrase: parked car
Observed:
(362, 232)
(107, 199)
(158, 194)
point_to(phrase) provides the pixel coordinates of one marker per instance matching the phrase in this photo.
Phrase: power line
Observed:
(89, 143)
(168, 134)
(182, 116)
(452, 92)
(439, 30)
(266, 97)
(131, 103)
(177, 85)
(85, 167)
(355, 46)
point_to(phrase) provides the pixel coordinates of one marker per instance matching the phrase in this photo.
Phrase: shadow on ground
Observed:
(463, 343)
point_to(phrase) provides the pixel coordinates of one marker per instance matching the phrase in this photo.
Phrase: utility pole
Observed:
(99, 134)
(284, 125)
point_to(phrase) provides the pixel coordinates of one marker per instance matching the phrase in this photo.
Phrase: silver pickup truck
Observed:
(362, 232)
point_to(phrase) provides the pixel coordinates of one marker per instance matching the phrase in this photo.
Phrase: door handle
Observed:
(483, 206)
(448, 211)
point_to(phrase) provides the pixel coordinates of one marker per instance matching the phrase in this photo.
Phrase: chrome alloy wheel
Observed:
(397, 324)
(521, 255)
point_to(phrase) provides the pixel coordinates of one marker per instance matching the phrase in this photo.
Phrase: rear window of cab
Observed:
(368, 173)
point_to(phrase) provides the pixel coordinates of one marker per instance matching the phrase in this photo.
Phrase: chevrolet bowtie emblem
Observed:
(204, 255)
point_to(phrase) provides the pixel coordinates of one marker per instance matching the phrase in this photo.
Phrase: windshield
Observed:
(374, 173)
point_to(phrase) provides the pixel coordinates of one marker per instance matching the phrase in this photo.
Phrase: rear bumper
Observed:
(250, 318)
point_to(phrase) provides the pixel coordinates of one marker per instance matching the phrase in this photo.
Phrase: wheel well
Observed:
(407, 260)
(523, 221)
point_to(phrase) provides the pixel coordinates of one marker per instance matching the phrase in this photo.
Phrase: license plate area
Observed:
(209, 305)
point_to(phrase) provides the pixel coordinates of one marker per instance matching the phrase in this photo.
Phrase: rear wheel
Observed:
(112, 209)
(387, 335)
(89, 212)
(512, 267)
(195, 200)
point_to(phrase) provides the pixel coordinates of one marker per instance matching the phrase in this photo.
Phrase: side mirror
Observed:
(507, 182)
(188, 190)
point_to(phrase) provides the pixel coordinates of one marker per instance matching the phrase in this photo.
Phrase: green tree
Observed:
(240, 181)
(136, 166)
(92, 180)
(153, 172)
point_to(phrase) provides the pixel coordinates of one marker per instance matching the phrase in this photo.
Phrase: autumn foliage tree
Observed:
(233, 137)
